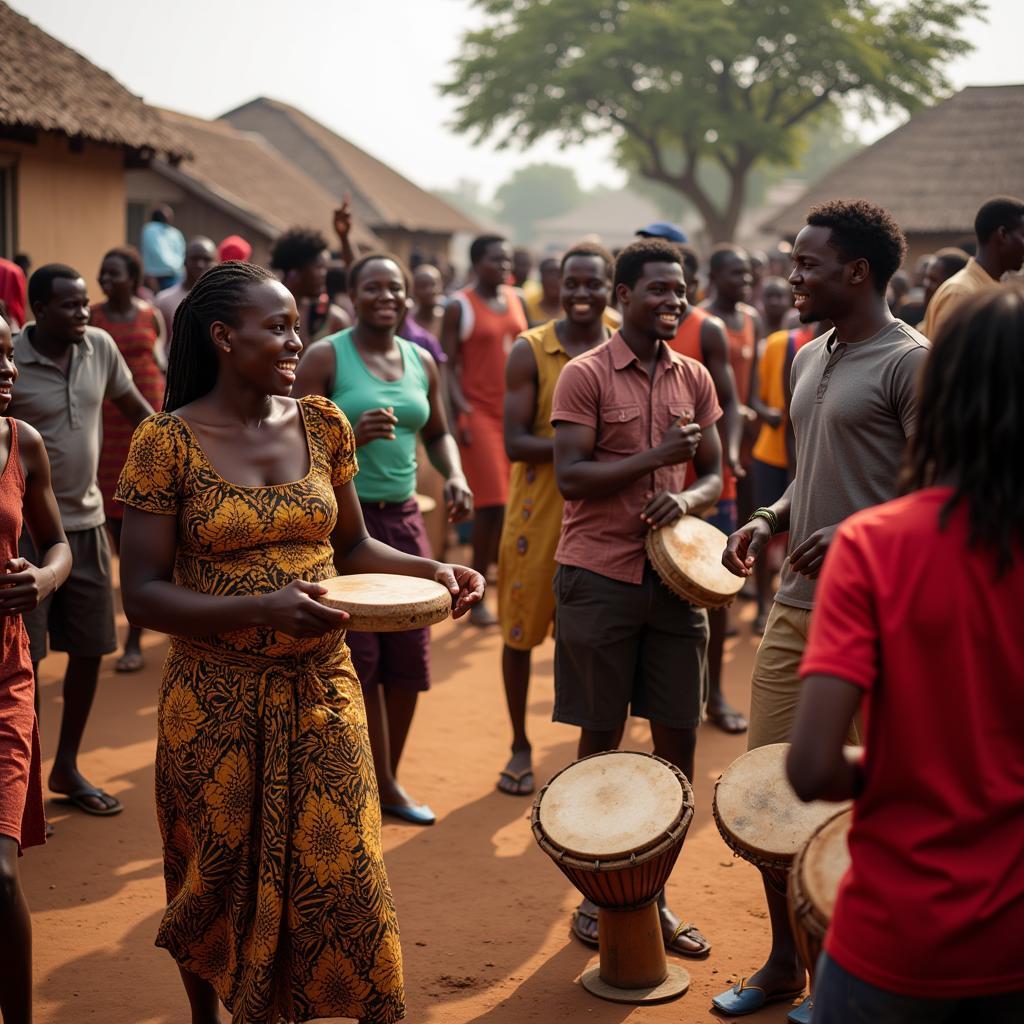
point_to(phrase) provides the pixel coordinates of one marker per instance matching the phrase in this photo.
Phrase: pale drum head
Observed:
(823, 864)
(425, 503)
(759, 815)
(688, 557)
(382, 603)
(609, 806)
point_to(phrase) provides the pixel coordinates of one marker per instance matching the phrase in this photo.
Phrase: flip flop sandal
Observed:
(584, 937)
(80, 799)
(129, 663)
(802, 1014)
(743, 998)
(691, 932)
(731, 722)
(517, 779)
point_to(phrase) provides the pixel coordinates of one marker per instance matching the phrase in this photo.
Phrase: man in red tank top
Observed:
(702, 337)
(478, 330)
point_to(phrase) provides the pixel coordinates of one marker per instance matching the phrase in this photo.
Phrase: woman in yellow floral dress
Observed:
(238, 500)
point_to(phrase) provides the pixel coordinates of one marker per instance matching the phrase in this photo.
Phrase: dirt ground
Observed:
(484, 913)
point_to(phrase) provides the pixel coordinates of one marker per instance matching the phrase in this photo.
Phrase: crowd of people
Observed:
(240, 434)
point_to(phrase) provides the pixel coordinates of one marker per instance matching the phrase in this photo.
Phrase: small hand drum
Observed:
(814, 885)
(614, 823)
(381, 603)
(688, 557)
(760, 817)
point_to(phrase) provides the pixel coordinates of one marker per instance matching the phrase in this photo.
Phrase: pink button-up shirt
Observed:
(609, 390)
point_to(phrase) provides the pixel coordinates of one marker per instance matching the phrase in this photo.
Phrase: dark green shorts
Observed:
(624, 648)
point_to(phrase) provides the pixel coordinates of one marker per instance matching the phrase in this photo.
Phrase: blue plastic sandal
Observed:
(802, 1013)
(742, 998)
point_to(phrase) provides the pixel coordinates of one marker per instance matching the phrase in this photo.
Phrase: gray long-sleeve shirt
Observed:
(853, 408)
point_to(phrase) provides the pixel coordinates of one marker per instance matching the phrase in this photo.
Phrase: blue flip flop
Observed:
(414, 814)
(802, 1013)
(742, 998)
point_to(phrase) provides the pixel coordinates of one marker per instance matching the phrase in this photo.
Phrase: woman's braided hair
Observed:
(970, 425)
(218, 295)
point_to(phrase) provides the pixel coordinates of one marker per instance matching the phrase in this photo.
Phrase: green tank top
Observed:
(387, 469)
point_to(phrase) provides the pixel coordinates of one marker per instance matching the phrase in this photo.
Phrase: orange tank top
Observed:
(687, 343)
(687, 339)
(741, 355)
(486, 340)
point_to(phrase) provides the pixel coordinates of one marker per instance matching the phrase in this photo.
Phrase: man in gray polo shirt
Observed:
(66, 370)
(854, 405)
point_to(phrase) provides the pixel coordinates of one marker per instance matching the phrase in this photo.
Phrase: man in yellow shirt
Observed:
(999, 227)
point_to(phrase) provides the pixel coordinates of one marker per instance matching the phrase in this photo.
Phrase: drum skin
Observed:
(759, 816)
(688, 557)
(814, 884)
(383, 603)
(624, 881)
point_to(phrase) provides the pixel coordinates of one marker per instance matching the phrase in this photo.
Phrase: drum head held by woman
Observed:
(381, 603)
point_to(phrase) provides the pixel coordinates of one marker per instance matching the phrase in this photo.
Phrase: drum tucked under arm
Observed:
(688, 557)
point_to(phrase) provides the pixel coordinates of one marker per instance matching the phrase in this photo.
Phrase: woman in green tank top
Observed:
(389, 389)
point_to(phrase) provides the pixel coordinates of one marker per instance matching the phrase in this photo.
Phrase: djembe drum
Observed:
(759, 816)
(382, 603)
(814, 885)
(614, 823)
(688, 557)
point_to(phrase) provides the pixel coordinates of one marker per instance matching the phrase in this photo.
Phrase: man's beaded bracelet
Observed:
(768, 516)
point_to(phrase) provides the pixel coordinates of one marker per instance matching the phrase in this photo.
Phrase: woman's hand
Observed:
(375, 425)
(24, 586)
(296, 611)
(458, 499)
(466, 586)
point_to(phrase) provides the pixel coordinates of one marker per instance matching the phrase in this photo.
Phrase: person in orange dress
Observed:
(138, 331)
(239, 502)
(478, 330)
(26, 498)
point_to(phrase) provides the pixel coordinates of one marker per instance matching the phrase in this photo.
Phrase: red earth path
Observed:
(484, 913)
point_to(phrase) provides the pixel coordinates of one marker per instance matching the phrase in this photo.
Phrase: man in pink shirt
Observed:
(629, 416)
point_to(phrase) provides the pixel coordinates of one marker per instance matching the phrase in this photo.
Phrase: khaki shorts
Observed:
(775, 685)
(79, 617)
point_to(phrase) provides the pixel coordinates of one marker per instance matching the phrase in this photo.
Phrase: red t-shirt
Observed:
(933, 903)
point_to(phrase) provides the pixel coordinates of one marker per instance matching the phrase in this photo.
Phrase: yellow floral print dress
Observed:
(268, 807)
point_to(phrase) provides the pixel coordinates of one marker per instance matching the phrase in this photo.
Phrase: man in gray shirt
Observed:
(65, 371)
(853, 407)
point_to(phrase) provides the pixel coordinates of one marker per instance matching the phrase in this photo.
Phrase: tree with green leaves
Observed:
(682, 83)
(535, 192)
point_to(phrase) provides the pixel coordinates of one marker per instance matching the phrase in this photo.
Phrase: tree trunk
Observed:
(720, 225)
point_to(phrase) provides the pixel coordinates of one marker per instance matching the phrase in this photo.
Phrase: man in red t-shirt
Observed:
(629, 416)
(918, 617)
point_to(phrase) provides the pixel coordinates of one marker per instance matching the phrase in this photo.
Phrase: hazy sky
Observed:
(369, 70)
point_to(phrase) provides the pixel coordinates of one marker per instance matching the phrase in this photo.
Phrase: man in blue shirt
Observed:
(163, 249)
